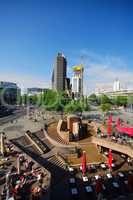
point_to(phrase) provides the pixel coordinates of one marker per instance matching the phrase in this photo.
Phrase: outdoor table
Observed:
(130, 172)
(129, 159)
(121, 174)
(88, 189)
(72, 180)
(113, 165)
(123, 156)
(5, 159)
(74, 191)
(109, 175)
(113, 138)
(93, 167)
(70, 169)
(105, 153)
(17, 182)
(115, 184)
(85, 179)
(97, 177)
(103, 166)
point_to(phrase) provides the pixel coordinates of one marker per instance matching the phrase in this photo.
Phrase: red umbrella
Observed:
(84, 163)
(109, 125)
(111, 119)
(110, 158)
(109, 129)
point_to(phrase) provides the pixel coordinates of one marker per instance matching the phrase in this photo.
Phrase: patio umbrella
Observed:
(109, 125)
(84, 163)
(109, 129)
(111, 119)
(110, 159)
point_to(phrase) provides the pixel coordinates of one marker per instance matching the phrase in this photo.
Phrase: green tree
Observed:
(49, 98)
(130, 101)
(93, 98)
(73, 107)
(52, 100)
(33, 99)
(121, 100)
(85, 104)
(105, 107)
(103, 99)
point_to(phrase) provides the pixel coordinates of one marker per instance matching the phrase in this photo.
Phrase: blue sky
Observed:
(97, 32)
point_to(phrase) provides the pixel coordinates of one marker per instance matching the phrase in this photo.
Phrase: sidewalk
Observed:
(19, 127)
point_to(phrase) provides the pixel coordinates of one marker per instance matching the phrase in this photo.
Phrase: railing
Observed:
(39, 145)
(61, 158)
(125, 149)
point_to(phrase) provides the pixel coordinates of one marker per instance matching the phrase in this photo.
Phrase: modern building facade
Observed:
(115, 90)
(36, 91)
(77, 82)
(76, 86)
(116, 86)
(59, 73)
(9, 93)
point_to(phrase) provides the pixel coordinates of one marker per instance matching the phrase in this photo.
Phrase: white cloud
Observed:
(99, 69)
(103, 69)
(104, 74)
(25, 81)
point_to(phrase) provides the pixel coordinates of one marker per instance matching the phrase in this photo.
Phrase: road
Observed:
(17, 114)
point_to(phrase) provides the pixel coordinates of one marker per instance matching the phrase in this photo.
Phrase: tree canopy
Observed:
(120, 100)
(105, 107)
(93, 98)
(104, 99)
(57, 101)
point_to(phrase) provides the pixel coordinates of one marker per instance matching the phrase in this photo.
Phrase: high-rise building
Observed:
(77, 82)
(59, 73)
(9, 93)
(116, 86)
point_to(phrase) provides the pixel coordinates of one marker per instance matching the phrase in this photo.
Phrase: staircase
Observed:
(53, 164)
(36, 141)
(56, 168)
(40, 135)
(55, 136)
